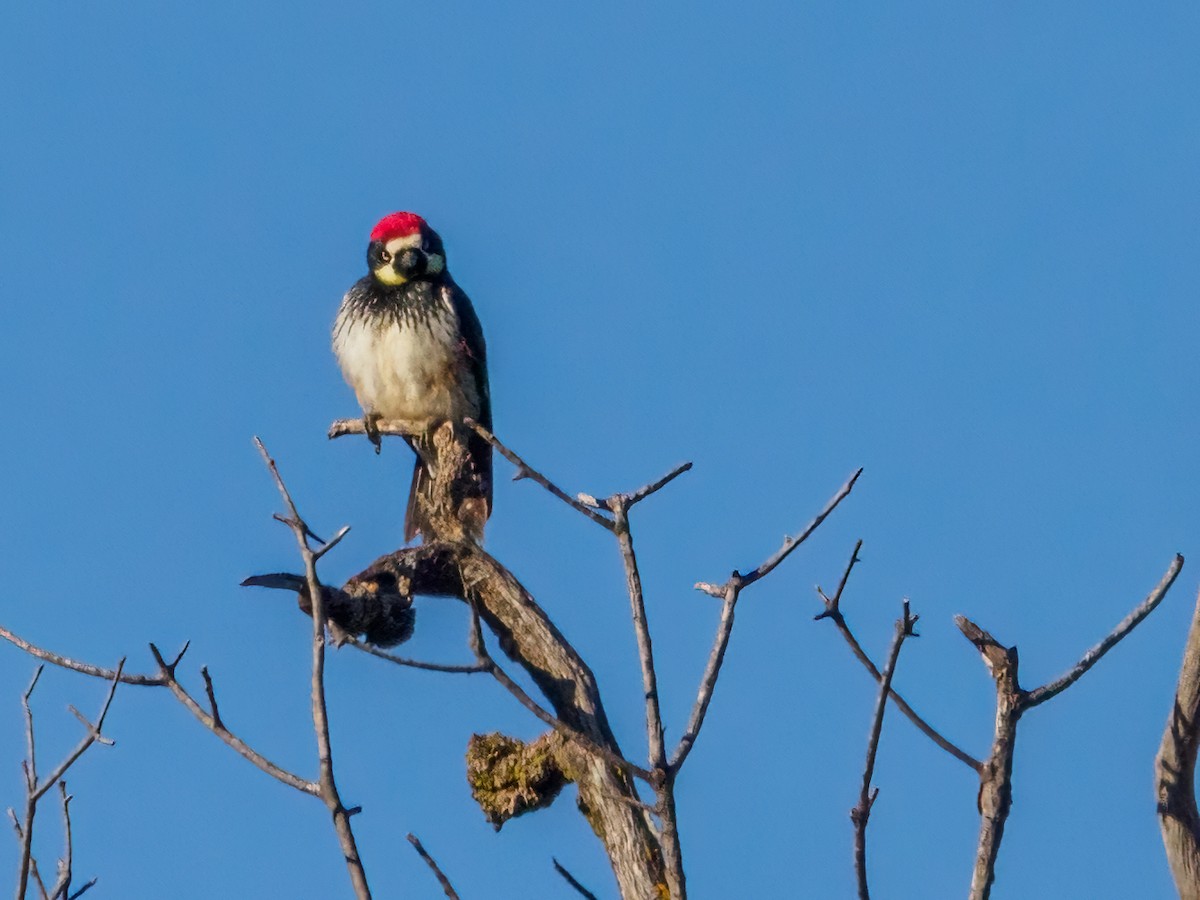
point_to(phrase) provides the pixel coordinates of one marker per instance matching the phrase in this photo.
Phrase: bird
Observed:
(410, 345)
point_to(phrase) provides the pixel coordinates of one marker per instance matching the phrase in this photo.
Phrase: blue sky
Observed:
(953, 244)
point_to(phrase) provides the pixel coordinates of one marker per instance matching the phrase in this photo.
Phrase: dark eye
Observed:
(384, 256)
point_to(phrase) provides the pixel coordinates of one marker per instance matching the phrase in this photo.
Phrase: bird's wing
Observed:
(474, 348)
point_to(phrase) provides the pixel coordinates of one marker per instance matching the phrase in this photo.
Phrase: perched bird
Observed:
(410, 345)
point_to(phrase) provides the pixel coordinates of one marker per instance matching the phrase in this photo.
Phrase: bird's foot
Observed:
(371, 427)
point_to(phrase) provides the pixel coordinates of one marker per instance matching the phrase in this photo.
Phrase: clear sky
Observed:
(954, 244)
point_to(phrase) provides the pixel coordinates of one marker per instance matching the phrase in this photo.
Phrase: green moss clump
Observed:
(509, 777)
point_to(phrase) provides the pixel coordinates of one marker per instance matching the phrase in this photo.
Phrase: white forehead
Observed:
(396, 245)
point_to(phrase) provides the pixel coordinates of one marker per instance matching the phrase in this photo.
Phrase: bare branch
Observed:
(1054, 688)
(633, 580)
(833, 612)
(607, 503)
(371, 649)
(29, 770)
(332, 542)
(672, 851)
(729, 592)
(833, 604)
(861, 813)
(212, 698)
(524, 470)
(62, 887)
(90, 738)
(36, 788)
(712, 671)
(791, 543)
(447, 888)
(228, 737)
(570, 879)
(320, 715)
(166, 678)
(462, 570)
(643, 492)
(396, 427)
(37, 879)
(995, 777)
(75, 666)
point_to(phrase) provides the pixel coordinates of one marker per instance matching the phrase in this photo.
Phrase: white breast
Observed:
(402, 371)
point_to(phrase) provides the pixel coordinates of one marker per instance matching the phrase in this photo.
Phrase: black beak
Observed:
(410, 262)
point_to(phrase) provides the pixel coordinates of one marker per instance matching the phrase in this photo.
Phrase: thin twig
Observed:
(166, 678)
(212, 697)
(29, 770)
(447, 888)
(791, 543)
(866, 798)
(228, 737)
(833, 611)
(633, 580)
(729, 593)
(524, 470)
(90, 738)
(1054, 688)
(833, 604)
(607, 503)
(36, 788)
(75, 666)
(712, 670)
(466, 669)
(62, 887)
(320, 714)
(37, 879)
(570, 879)
(332, 542)
(654, 487)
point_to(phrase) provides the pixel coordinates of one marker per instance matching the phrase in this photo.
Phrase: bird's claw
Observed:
(371, 427)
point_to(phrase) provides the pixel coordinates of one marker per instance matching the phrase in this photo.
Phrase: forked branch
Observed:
(36, 787)
(729, 593)
(320, 714)
(1012, 701)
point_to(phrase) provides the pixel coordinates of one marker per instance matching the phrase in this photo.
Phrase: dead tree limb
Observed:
(328, 784)
(1012, 701)
(528, 637)
(36, 787)
(1175, 772)
(861, 813)
(646, 863)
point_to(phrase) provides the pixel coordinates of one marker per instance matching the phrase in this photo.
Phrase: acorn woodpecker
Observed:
(410, 345)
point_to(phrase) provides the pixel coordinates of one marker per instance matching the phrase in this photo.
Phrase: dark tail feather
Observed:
(480, 452)
(414, 519)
